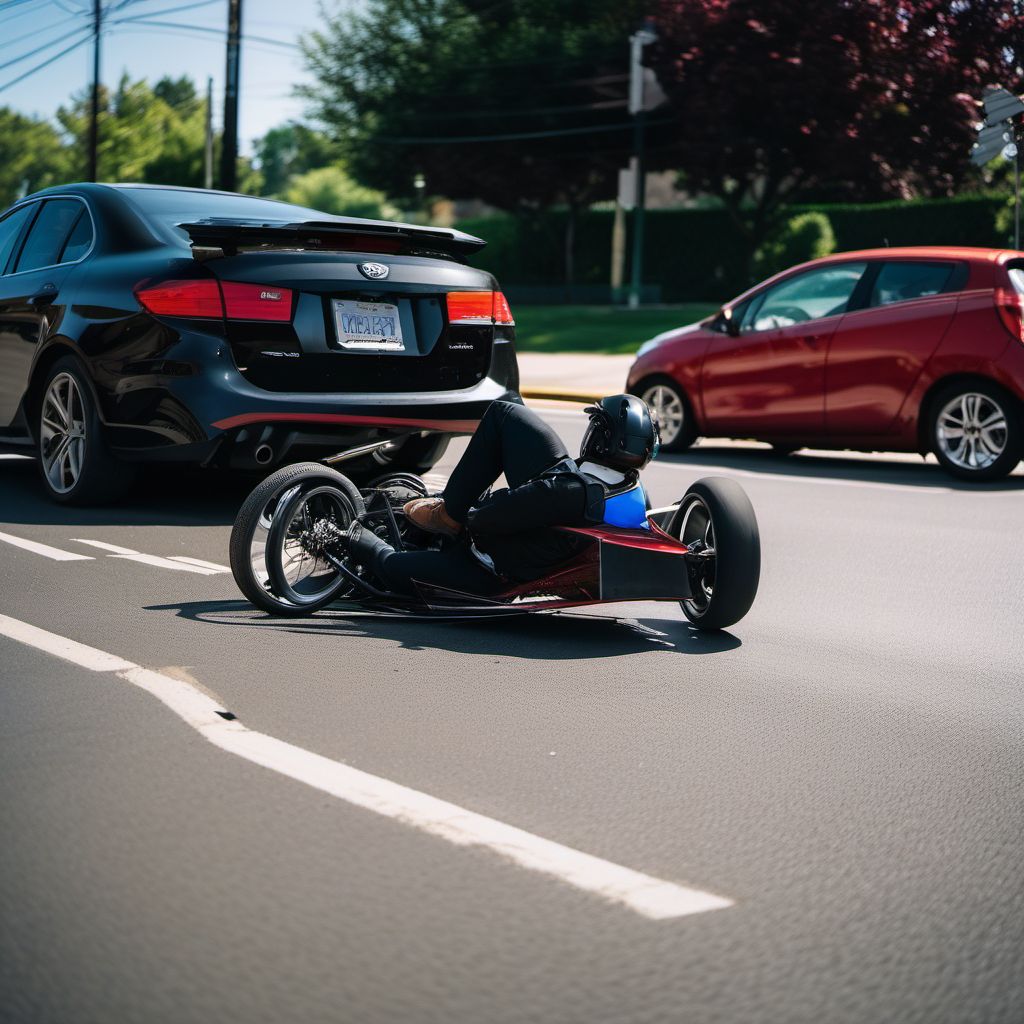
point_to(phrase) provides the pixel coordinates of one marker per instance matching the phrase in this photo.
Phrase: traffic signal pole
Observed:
(229, 143)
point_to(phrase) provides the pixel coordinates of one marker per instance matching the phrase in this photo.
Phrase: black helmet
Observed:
(622, 434)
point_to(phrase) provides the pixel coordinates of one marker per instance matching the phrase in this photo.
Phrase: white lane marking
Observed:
(648, 896)
(213, 566)
(44, 549)
(131, 555)
(62, 647)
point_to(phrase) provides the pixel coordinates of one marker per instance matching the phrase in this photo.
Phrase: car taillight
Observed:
(1010, 306)
(256, 302)
(479, 307)
(205, 299)
(200, 299)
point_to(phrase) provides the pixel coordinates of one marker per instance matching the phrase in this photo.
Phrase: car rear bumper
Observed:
(214, 413)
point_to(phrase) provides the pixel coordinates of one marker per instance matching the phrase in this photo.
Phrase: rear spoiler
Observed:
(214, 237)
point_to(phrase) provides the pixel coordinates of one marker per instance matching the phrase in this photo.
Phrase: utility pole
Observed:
(229, 143)
(208, 150)
(94, 119)
(638, 108)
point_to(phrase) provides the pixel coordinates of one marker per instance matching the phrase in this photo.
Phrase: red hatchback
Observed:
(917, 350)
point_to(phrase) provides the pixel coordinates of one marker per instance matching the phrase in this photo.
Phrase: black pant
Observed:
(511, 439)
(456, 568)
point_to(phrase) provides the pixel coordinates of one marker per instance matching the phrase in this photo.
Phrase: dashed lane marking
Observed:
(202, 563)
(44, 549)
(131, 555)
(648, 896)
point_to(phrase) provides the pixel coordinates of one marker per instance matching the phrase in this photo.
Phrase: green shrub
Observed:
(808, 236)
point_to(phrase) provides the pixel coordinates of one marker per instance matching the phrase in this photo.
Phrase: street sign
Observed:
(1001, 105)
(991, 141)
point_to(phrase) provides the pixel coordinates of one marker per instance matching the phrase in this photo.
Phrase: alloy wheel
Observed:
(62, 433)
(971, 430)
(667, 407)
(697, 531)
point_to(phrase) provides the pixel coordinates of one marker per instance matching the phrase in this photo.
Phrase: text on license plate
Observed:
(368, 326)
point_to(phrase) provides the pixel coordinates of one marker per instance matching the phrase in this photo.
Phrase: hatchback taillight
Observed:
(479, 308)
(205, 299)
(1010, 306)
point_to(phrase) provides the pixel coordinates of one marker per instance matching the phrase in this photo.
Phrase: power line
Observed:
(46, 63)
(34, 34)
(413, 140)
(142, 20)
(39, 49)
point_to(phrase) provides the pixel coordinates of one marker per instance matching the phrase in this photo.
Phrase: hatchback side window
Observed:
(48, 234)
(812, 295)
(904, 280)
(10, 231)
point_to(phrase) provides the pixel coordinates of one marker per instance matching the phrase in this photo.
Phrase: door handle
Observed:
(44, 296)
(812, 340)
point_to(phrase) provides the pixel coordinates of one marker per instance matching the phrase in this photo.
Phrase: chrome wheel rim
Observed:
(696, 526)
(62, 433)
(971, 431)
(667, 408)
(311, 525)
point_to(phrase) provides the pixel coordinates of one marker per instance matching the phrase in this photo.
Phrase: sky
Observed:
(194, 47)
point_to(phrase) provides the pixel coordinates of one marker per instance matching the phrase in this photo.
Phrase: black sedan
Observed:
(142, 323)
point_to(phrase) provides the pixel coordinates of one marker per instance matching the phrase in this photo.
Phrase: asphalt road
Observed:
(844, 767)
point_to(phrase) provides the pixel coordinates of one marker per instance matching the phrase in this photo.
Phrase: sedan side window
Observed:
(49, 232)
(10, 231)
(79, 240)
(904, 280)
(808, 296)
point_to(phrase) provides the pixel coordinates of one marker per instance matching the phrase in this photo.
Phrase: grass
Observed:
(606, 329)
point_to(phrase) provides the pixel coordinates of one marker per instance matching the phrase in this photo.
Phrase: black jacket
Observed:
(509, 525)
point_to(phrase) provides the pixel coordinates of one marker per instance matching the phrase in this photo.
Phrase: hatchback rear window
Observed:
(905, 280)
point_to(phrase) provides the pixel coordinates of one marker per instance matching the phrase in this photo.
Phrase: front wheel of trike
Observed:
(716, 521)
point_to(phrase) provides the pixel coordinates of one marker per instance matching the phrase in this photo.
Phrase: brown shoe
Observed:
(429, 514)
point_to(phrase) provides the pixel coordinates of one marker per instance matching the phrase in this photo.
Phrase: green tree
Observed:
(152, 134)
(32, 156)
(330, 189)
(291, 149)
(520, 104)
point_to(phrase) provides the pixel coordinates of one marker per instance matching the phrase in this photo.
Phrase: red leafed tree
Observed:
(860, 99)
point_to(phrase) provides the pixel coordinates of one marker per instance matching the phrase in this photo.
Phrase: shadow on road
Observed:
(547, 636)
(174, 496)
(832, 467)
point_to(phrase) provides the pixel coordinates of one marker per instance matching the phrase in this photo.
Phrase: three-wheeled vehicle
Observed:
(289, 557)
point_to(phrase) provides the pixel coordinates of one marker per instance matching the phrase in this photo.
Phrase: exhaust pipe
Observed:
(264, 454)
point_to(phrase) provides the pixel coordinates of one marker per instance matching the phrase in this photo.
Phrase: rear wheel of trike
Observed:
(308, 523)
(716, 520)
(250, 535)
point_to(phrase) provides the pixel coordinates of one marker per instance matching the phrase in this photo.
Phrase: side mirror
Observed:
(732, 325)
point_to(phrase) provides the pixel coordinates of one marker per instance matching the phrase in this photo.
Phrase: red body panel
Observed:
(861, 380)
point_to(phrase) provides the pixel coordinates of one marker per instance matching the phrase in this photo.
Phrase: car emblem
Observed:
(374, 271)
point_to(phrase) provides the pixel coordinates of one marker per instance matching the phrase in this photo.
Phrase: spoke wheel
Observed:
(307, 523)
(671, 411)
(252, 546)
(972, 431)
(62, 433)
(976, 431)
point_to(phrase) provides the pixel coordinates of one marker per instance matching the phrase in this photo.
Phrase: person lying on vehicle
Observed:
(504, 536)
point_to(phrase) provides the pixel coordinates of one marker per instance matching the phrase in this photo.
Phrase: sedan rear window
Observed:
(170, 207)
(905, 280)
(48, 234)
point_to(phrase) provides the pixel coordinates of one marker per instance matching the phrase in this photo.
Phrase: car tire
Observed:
(717, 512)
(75, 464)
(672, 409)
(975, 430)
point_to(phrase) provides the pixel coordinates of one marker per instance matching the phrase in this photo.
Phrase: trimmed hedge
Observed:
(692, 255)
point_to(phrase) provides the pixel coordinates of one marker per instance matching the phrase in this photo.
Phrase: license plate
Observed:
(368, 326)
